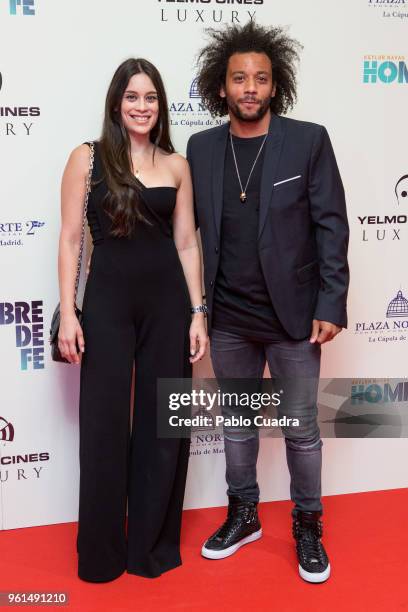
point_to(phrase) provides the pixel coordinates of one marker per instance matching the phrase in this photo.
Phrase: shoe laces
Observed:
(308, 537)
(237, 514)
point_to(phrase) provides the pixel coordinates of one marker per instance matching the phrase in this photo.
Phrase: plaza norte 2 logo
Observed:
(27, 321)
(13, 233)
(392, 226)
(205, 440)
(389, 9)
(385, 70)
(208, 11)
(190, 111)
(16, 119)
(392, 326)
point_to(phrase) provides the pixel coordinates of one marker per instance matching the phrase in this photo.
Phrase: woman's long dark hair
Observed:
(124, 190)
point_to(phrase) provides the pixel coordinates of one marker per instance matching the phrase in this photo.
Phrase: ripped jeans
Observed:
(238, 357)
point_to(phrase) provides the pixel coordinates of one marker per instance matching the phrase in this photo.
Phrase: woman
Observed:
(144, 278)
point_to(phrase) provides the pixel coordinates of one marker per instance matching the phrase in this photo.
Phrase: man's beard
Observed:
(259, 114)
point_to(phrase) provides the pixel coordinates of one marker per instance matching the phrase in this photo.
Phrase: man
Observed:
(270, 205)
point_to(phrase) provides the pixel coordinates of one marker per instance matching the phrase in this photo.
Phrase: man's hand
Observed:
(322, 331)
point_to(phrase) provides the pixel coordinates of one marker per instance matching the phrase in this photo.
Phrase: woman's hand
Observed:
(198, 337)
(70, 334)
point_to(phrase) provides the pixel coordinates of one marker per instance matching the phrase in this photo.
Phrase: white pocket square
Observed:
(292, 178)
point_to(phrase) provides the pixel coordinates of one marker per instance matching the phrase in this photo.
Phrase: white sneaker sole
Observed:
(314, 577)
(227, 552)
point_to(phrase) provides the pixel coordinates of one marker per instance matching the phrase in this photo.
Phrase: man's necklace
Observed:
(243, 195)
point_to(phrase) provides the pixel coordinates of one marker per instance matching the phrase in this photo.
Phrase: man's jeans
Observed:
(235, 356)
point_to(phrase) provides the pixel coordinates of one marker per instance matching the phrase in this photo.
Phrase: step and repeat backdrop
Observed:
(56, 61)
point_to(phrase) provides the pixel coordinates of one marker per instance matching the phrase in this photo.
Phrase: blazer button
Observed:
(216, 249)
(212, 284)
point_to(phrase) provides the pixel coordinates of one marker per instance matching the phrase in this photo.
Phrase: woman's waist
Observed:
(142, 239)
(137, 256)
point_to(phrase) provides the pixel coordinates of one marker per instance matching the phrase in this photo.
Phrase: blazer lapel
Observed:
(273, 147)
(218, 161)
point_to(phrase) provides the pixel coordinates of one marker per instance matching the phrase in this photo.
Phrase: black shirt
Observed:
(241, 299)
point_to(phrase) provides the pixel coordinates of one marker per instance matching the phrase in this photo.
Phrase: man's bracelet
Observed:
(201, 308)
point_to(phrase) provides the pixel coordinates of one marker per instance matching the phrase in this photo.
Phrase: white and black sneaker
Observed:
(314, 564)
(241, 527)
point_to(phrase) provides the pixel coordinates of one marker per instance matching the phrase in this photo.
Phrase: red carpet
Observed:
(366, 536)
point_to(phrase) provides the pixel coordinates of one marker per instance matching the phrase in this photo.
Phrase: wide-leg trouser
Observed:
(115, 466)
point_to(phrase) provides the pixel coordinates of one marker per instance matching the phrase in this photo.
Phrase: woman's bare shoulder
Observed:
(177, 163)
(78, 160)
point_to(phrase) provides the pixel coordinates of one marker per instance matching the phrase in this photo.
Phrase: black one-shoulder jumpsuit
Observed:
(136, 311)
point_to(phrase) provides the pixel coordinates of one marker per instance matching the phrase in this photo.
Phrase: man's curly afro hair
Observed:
(273, 41)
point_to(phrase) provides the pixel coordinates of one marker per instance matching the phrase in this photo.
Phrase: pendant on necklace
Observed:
(243, 197)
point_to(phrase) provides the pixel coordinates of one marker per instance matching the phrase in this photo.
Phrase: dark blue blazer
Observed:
(303, 229)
